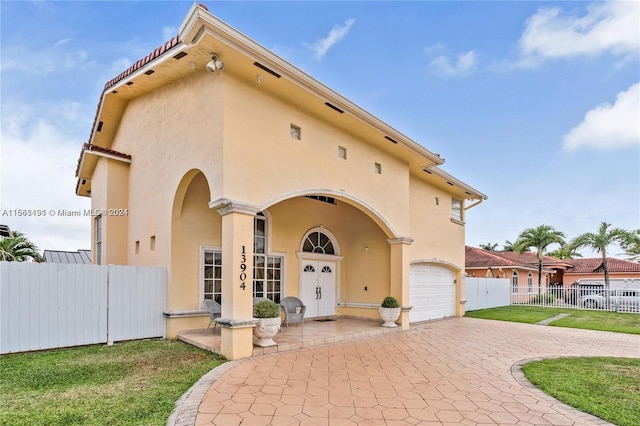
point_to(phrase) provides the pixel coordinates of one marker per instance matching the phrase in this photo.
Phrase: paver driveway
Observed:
(450, 372)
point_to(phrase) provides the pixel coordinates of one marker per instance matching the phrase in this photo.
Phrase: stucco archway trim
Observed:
(367, 209)
(225, 206)
(436, 261)
(181, 191)
(324, 231)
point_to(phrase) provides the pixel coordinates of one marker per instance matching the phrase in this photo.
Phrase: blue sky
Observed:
(535, 104)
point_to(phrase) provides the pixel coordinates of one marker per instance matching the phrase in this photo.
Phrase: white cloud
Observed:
(337, 33)
(434, 47)
(609, 126)
(611, 26)
(57, 58)
(39, 156)
(62, 42)
(467, 62)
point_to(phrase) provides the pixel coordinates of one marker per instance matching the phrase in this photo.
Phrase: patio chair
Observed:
(293, 309)
(214, 310)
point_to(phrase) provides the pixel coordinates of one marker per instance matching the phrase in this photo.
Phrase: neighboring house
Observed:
(591, 271)
(256, 180)
(522, 269)
(74, 257)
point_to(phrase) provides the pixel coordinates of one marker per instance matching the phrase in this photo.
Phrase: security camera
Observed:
(214, 64)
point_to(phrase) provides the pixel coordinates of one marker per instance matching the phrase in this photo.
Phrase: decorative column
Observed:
(236, 321)
(400, 276)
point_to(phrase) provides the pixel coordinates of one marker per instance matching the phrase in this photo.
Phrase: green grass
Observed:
(131, 383)
(585, 319)
(608, 388)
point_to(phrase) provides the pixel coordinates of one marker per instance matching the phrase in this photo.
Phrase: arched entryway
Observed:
(195, 245)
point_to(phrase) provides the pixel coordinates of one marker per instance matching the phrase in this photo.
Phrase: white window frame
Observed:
(514, 282)
(530, 282)
(457, 207)
(266, 217)
(329, 234)
(201, 265)
(98, 245)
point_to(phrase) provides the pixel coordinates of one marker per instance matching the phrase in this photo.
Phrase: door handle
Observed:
(320, 288)
(317, 294)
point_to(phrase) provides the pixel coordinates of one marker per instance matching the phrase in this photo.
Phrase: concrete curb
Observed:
(187, 406)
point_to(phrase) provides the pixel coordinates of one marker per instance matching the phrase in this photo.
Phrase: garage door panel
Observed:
(432, 292)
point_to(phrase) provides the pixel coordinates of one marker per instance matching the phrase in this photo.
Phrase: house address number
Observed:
(243, 268)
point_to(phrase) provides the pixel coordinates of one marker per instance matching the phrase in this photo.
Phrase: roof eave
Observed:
(191, 31)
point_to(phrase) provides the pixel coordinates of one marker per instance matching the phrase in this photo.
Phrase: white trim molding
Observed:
(225, 206)
(400, 240)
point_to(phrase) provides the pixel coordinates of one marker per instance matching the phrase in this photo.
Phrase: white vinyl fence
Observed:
(484, 293)
(52, 305)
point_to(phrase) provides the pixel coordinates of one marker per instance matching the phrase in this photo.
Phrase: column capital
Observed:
(225, 206)
(400, 240)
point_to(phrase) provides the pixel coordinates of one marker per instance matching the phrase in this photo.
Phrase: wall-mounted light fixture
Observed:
(214, 64)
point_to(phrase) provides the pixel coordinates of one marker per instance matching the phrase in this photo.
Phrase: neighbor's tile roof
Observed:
(479, 258)
(594, 265)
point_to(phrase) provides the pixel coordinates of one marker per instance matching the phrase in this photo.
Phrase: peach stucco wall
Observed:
(207, 137)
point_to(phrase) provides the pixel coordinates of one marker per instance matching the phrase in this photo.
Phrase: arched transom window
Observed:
(318, 242)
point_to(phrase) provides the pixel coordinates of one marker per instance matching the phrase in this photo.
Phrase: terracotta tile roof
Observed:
(594, 265)
(96, 148)
(144, 61)
(479, 258)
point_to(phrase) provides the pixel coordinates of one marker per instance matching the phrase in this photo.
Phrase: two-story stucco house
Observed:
(246, 177)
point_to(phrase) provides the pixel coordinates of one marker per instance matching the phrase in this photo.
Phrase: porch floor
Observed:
(312, 333)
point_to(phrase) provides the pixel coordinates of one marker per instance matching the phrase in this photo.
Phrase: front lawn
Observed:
(608, 388)
(578, 318)
(131, 383)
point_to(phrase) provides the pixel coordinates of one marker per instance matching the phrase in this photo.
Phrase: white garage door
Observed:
(432, 292)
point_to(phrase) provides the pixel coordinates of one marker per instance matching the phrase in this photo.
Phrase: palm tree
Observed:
(632, 246)
(18, 248)
(539, 238)
(508, 246)
(565, 251)
(489, 246)
(601, 240)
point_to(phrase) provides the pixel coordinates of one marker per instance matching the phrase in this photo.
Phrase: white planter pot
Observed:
(265, 330)
(389, 316)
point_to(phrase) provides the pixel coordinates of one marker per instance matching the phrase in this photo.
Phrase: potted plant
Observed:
(390, 311)
(268, 314)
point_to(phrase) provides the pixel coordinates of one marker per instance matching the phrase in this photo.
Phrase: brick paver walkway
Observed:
(450, 372)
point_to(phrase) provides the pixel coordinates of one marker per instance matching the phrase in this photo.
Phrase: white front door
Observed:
(318, 288)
